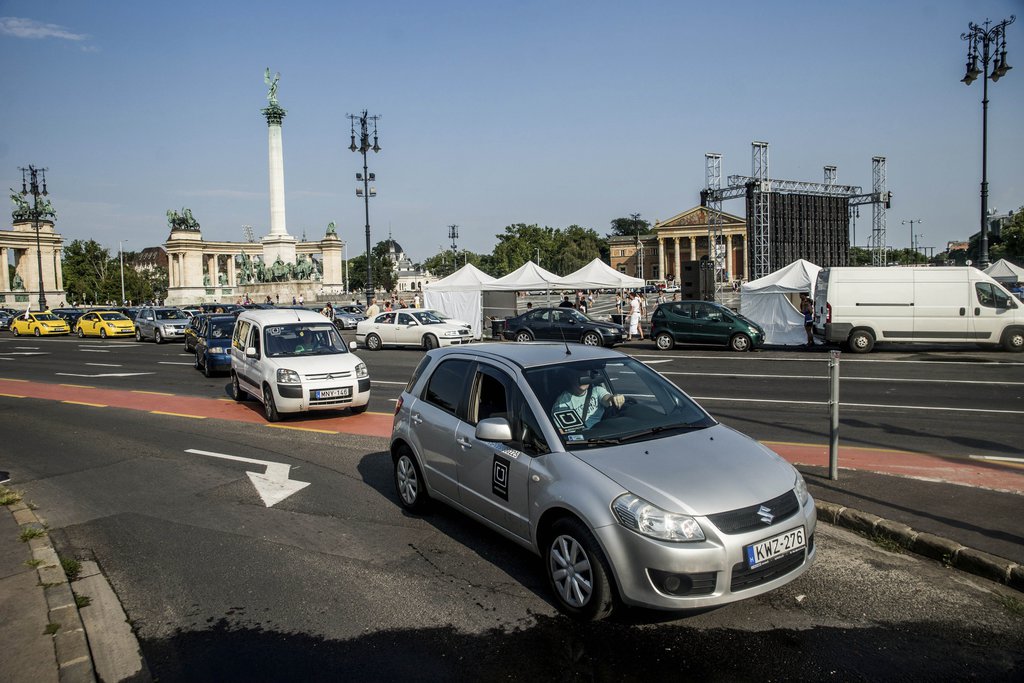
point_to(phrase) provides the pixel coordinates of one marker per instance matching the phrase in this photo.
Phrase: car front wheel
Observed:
(739, 342)
(158, 338)
(430, 342)
(138, 334)
(269, 407)
(578, 571)
(409, 482)
(592, 339)
(37, 332)
(236, 390)
(103, 332)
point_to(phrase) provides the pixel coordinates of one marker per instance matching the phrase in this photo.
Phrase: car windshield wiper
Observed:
(660, 429)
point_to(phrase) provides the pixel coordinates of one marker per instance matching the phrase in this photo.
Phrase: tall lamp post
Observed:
(35, 177)
(366, 177)
(912, 221)
(985, 38)
(120, 250)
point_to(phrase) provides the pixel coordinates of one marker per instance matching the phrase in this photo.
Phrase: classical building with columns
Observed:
(18, 247)
(661, 255)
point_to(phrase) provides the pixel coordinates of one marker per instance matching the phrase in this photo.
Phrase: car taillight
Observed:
(828, 313)
(398, 405)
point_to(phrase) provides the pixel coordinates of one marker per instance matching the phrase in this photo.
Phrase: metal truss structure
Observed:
(758, 188)
(716, 241)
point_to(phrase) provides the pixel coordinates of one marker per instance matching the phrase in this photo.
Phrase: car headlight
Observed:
(361, 371)
(287, 377)
(451, 333)
(218, 351)
(800, 489)
(168, 329)
(638, 515)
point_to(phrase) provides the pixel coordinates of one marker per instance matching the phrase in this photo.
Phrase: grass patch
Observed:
(72, 568)
(1011, 604)
(82, 601)
(30, 532)
(9, 496)
(886, 543)
(33, 562)
(51, 628)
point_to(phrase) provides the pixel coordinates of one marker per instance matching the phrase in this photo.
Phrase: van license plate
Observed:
(763, 552)
(344, 392)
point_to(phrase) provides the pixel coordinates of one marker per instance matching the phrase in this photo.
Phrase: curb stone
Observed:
(70, 646)
(928, 545)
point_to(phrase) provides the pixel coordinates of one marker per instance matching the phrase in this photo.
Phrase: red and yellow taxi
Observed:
(38, 324)
(104, 324)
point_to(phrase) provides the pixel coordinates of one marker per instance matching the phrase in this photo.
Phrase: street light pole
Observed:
(366, 177)
(987, 37)
(36, 176)
(912, 221)
(121, 250)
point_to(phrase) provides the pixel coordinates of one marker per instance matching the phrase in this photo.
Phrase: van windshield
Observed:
(303, 339)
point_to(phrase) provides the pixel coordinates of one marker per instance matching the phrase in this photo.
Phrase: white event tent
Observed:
(460, 295)
(526, 277)
(1005, 272)
(599, 275)
(771, 302)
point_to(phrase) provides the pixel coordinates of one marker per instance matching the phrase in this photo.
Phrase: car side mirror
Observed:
(251, 352)
(494, 429)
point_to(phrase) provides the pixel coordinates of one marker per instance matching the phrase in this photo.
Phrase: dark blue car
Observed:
(213, 343)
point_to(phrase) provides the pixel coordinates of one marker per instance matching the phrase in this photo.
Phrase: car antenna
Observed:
(561, 331)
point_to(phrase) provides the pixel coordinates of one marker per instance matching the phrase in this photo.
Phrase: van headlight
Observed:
(800, 489)
(638, 515)
(361, 371)
(285, 376)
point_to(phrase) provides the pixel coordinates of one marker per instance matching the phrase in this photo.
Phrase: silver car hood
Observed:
(697, 473)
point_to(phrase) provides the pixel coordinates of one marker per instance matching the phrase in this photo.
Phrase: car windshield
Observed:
(111, 316)
(303, 339)
(427, 318)
(582, 401)
(45, 316)
(171, 314)
(219, 329)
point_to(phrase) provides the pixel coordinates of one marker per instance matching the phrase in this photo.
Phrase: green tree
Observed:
(575, 247)
(1012, 236)
(521, 243)
(860, 256)
(627, 227)
(87, 273)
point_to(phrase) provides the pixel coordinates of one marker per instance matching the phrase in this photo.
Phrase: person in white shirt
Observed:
(582, 404)
(634, 316)
(373, 310)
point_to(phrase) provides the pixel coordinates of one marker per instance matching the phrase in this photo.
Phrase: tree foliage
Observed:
(92, 275)
(628, 227)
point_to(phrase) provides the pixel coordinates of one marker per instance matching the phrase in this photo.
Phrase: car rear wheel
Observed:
(15, 331)
(81, 335)
(861, 341)
(592, 339)
(269, 407)
(430, 342)
(578, 571)
(664, 341)
(409, 482)
(236, 391)
(524, 336)
(103, 332)
(373, 342)
(739, 342)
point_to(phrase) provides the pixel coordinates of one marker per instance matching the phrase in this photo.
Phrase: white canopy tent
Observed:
(528, 276)
(460, 296)
(1005, 272)
(771, 302)
(599, 275)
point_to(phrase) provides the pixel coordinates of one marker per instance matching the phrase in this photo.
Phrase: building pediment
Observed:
(696, 217)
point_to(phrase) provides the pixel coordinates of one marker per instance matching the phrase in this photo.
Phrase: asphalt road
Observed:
(336, 580)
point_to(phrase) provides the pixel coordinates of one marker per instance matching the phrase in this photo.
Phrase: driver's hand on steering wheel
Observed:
(616, 400)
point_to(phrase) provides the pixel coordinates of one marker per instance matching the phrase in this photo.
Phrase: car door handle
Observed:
(977, 311)
(963, 311)
(463, 442)
(417, 418)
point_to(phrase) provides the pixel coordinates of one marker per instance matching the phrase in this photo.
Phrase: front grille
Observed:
(749, 518)
(330, 401)
(748, 578)
(321, 376)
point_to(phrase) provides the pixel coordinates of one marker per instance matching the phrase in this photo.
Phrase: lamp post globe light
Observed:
(366, 178)
(980, 44)
(36, 177)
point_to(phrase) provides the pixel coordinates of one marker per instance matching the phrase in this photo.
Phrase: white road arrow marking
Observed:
(273, 485)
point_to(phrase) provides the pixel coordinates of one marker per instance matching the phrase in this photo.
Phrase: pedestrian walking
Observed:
(807, 308)
(634, 317)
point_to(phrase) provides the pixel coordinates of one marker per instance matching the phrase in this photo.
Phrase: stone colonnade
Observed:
(20, 243)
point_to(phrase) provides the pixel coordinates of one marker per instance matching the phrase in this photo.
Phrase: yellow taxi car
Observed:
(104, 324)
(38, 324)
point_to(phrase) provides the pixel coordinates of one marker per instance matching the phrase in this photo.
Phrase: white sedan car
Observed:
(410, 327)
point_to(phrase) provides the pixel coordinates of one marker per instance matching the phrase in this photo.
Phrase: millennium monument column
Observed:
(278, 244)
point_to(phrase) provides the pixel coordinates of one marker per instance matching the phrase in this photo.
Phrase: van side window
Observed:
(991, 296)
(254, 339)
(241, 335)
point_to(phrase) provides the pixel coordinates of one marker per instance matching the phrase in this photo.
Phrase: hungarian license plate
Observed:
(343, 392)
(763, 552)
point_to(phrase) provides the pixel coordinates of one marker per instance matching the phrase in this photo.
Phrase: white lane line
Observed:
(824, 359)
(167, 362)
(996, 457)
(106, 365)
(94, 350)
(856, 405)
(844, 378)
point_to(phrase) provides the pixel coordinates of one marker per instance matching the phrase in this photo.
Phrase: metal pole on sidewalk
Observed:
(833, 409)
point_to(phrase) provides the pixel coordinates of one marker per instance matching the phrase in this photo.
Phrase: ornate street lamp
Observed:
(985, 38)
(366, 178)
(37, 176)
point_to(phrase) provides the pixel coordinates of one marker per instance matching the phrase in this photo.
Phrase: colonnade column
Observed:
(5, 278)
(231, 271)
(661, 258)
(728, 265)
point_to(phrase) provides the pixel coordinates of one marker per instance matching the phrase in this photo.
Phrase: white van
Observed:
(862, 306)
(295, 360)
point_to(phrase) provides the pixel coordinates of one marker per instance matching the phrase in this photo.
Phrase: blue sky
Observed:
(495, 113)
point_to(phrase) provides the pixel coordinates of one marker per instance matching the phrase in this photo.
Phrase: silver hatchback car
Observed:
(628, 490)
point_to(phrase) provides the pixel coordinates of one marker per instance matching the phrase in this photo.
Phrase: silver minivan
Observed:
(629, 491)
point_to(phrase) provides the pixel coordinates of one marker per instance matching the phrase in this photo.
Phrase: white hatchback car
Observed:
(410, 327)
(295, 360)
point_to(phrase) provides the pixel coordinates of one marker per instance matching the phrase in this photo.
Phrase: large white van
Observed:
(294, 360)
(862, 306)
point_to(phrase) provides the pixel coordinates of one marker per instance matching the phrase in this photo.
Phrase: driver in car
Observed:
(582, 404)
